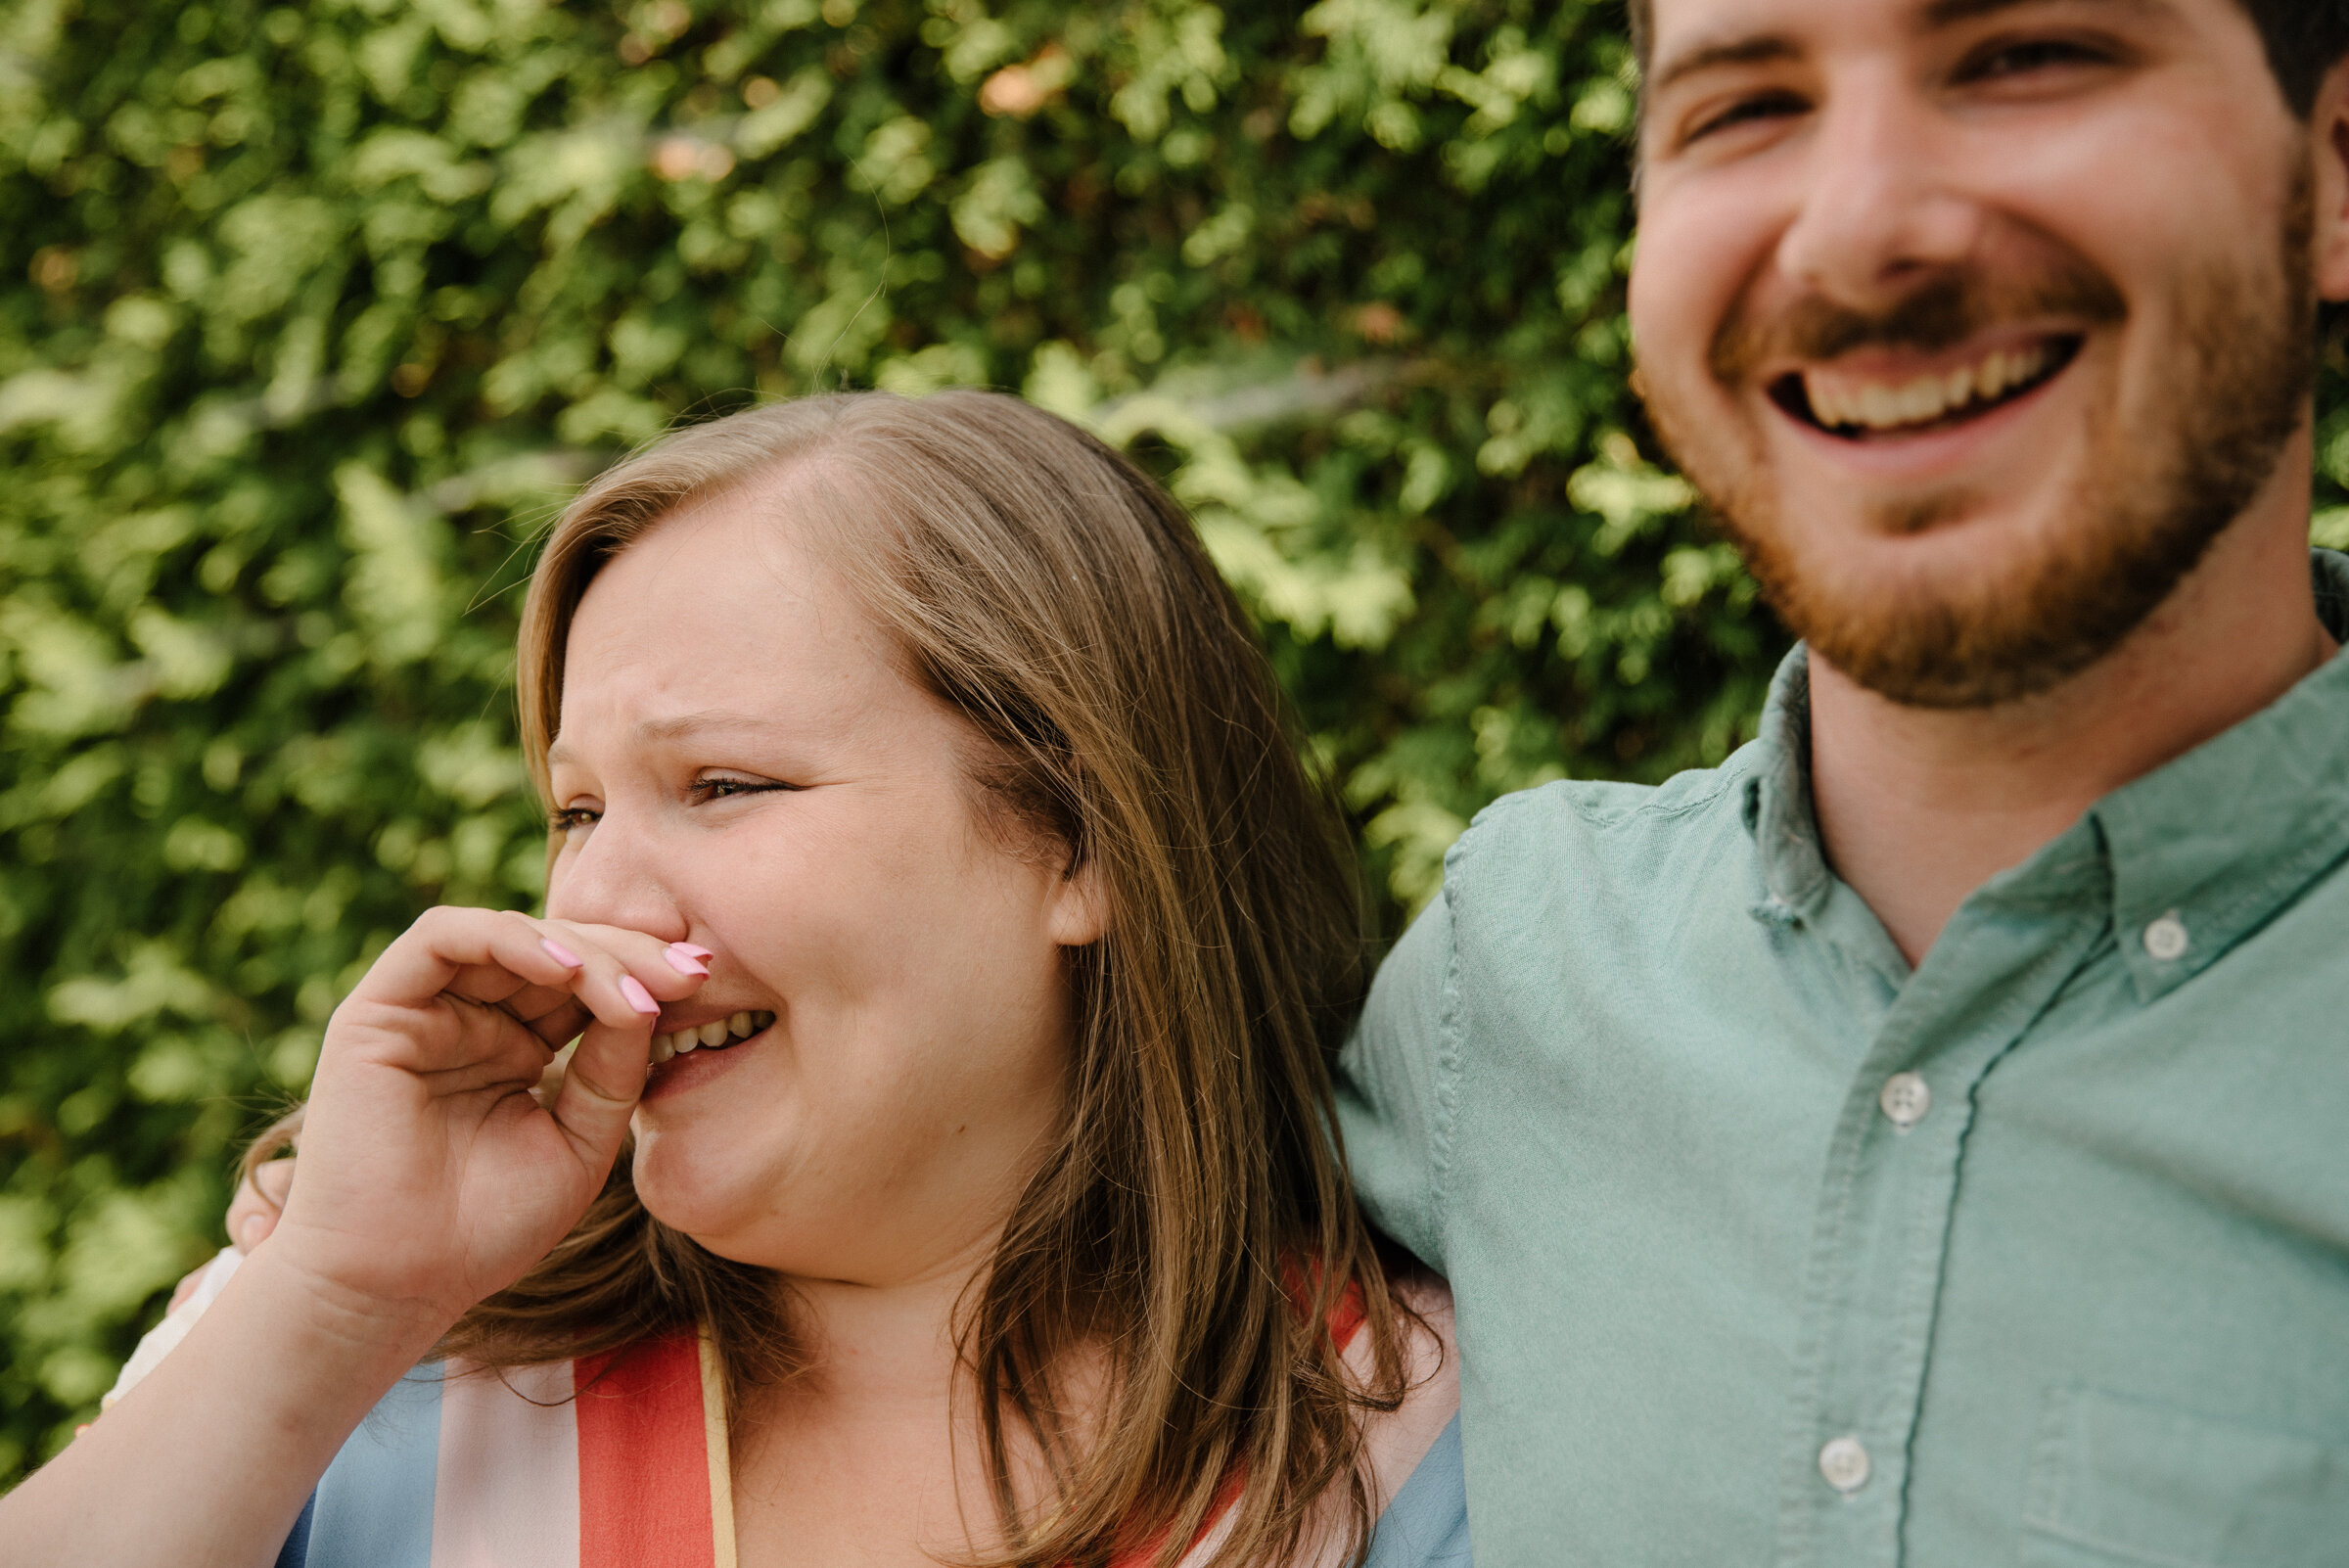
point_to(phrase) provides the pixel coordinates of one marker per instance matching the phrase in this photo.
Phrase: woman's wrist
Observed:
(335, 1321)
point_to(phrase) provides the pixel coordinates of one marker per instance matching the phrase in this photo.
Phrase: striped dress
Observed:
(620, 1461)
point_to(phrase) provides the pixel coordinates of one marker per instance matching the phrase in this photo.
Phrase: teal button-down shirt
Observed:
(1769, 1250)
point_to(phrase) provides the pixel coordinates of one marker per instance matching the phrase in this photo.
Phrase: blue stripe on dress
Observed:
(374, 1505)
(296, 1553)
(1426, 1526)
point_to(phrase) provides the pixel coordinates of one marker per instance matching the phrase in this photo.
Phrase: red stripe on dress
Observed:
(644, 1470)
(1346, 1317)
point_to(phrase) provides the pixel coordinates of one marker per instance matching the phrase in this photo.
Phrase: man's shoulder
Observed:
(1600, 825)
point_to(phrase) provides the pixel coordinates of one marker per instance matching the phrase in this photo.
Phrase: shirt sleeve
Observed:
(1394, 1104)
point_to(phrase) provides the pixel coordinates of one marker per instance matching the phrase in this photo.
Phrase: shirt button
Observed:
(1844, 1462)
(1905, 1099)
(2165, 938)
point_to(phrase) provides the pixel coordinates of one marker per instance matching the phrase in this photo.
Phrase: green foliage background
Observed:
(309, 314)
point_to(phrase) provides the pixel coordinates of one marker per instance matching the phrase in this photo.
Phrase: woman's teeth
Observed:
(716, 1034)
(1844, 402)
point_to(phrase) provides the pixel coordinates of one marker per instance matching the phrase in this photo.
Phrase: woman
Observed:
(951, 934)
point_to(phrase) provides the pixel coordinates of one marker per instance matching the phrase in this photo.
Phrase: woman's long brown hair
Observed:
(1193, 1219)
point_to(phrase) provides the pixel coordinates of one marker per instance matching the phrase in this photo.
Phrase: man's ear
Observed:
(2329, 125)
(1080, 912)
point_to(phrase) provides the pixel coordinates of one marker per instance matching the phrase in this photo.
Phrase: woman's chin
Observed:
(703, 1179)
(688, 1202)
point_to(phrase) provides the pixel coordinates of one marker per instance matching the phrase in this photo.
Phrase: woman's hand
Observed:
(430, 1176)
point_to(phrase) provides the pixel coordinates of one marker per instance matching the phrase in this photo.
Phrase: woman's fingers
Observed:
(474, 1001)
(642, 970)
(605, 1079)
(412, 1009)
(559, 1024)
(550, 976)
(614, 974)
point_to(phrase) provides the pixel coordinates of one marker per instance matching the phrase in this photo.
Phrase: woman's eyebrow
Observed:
(685, 726)
(676, 727)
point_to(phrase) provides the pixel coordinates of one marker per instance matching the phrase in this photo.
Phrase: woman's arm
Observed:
(210, 1459)
(432, 1177)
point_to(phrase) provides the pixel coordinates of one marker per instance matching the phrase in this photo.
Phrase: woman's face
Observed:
(742, 765)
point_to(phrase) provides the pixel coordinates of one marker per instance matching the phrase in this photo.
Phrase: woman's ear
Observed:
(2329, 124)
(1080, 913)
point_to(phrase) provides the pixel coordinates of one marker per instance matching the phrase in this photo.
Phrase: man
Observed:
(1922, 1139)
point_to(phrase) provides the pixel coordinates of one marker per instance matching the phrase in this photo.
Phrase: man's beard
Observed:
(2158, 488)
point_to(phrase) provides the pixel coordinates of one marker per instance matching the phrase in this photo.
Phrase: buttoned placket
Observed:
(1885, 1204)
(1887, 1195)
(2151, 881)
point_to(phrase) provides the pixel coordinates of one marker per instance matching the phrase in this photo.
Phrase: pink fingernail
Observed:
(692, 951)
(559, 953)
(638, 997)
(685, 963)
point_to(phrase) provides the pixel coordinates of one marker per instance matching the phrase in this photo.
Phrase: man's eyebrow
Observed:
(1949, 12)
(1760, 49)
(1767, 47)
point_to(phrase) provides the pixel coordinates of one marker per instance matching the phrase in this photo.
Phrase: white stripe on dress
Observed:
(507, 1494)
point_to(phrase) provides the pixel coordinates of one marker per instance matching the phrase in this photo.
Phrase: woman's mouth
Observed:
(1859, 406)
(715, 1035)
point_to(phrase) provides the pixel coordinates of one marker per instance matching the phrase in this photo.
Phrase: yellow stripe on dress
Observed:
(713, 1444)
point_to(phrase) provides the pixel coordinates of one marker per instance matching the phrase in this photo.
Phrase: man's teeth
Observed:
(1839, 400)
(716, 1034)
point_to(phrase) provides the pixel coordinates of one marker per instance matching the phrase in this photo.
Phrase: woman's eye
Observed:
(572, 816)
(721, 789)
(1766, 106)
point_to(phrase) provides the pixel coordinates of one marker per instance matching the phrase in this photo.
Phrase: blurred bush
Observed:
(309, 314)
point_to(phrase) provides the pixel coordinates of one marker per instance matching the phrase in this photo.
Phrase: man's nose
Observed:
(1879, 213)
(609, 874)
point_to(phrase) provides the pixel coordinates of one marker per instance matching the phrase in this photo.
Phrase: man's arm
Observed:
(1393, 1090)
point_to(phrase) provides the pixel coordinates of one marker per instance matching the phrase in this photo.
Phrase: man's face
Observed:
(1976, 319)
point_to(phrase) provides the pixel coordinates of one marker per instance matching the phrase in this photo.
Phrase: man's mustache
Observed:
(1938, 315)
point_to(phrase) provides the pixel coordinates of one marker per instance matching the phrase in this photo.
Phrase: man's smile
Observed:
(1875, 393)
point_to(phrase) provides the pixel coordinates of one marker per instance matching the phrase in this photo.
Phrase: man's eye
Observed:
(1764, 105)
(2004, 61)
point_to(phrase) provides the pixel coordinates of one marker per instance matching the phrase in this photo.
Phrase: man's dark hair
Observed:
(2305, 39)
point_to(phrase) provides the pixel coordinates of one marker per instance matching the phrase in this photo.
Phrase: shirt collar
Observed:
(2193, 856)
(1777, 796)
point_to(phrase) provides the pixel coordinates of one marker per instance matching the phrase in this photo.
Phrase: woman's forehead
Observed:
(698, 571)
(716, 609)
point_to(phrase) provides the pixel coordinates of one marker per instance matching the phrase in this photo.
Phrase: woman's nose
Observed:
(607, 873)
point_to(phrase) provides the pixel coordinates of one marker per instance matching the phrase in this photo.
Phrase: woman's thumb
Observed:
(601, 1087)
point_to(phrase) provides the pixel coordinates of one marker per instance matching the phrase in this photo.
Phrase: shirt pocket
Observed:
(2116, 1481)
